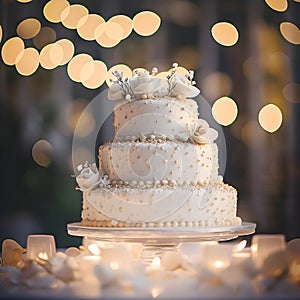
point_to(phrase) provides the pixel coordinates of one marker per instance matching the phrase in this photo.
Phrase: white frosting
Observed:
(168, 117)
(181, 162)
(208, 206)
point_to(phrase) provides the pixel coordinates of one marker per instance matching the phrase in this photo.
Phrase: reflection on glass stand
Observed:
(156, 241)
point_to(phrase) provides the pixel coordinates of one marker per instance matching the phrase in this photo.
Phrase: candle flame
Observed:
(94, 249)
(219, 264)
(43, 255)
(114, 265)
(156, 262)
(240, 246)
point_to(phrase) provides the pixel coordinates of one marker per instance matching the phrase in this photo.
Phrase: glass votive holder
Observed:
(265, 245)
(40, 246)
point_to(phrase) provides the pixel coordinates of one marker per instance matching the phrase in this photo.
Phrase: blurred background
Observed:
(57, 56)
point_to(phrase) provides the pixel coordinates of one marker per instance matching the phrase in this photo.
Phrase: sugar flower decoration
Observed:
(90, 177)
(147, 85)
(201, 133)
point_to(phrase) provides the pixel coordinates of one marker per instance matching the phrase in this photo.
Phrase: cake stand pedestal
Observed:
(156, 241)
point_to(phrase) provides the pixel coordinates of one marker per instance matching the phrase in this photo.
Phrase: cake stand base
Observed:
(156, 241)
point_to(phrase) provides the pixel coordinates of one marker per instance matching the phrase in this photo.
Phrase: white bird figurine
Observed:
(11, 252)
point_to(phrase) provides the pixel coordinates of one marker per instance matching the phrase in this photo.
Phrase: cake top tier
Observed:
(143, 85)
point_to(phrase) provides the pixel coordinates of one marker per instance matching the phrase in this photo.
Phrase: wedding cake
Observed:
(161, 168)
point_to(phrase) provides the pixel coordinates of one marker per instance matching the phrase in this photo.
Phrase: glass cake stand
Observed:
(156, 241)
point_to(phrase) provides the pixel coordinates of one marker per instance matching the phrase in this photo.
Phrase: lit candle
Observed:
(269, 253)
(40, 246)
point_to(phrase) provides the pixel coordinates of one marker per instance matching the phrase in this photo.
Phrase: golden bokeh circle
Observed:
(28, 28)
(225, 33)
(11, 49)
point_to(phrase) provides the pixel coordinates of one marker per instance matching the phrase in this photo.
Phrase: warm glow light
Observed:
(291, 92)
(45, 58)
(125, 22)
(225, 111)
(146, 23)
(0, 33)
(43, 255)
(225, 33)
(86, 125)
(156, 262)
(104, 40)
(240, 246)
(121, 68)
(270, 117)
(11, 49)
(46, 36)
(217, 84)
(75, 65)
(53, 9)
(68, 50)
(94, 249)
(97, 77)
(218, 264)
(27, 61)
(290, 32)
(114, 265)
(42, 152)
(278, 5)
(28, 28)
(86, 27)
(24, 1)
(71, 15)
(162, 74)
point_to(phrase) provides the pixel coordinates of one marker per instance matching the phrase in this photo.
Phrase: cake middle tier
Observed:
(169, 162)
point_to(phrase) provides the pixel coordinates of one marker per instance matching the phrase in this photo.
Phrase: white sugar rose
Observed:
(115, 92)
(144, 84)
(181, 86)
(201, 133)
(89, 176)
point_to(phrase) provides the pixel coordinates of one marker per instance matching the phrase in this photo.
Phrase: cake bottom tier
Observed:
(212, 205)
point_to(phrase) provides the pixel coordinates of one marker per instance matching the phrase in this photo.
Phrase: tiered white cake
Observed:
(161, 169)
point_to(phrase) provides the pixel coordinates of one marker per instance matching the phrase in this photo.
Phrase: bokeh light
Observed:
(146, 23)
(127, 72)
(103, 39)
(75, 65)
(42, 153)
(290, 32)
(68, 50)
(53, 10)
(87, 25)
(45, 36)
(291, 92)
(97, 77)
(27, 61)
(11, 49)
(270, 117)
(45, 58)
(114, 31)
(86, 125)
(225, 33)
(28, 28)
(24, 1)
(125, 22)
(278, 5)
(71, 15)
(224, 111)
(216, 84)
